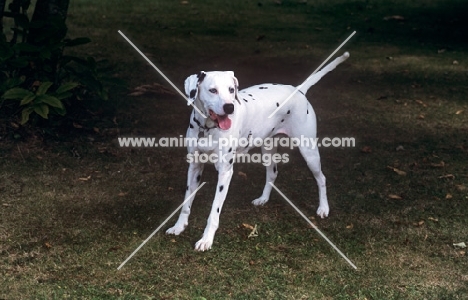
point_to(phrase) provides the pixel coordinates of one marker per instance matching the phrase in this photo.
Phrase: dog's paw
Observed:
(323, 211)
(260, 201)
(203, 244)
(176, 230)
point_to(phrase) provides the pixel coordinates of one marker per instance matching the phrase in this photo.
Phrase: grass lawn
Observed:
(398, 200)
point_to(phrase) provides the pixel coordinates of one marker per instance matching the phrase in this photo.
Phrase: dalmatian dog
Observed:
(234, 114)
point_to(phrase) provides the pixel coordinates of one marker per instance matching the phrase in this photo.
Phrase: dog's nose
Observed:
(228, 108)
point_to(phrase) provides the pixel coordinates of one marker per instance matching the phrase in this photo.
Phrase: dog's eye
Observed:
(231, 90)
(213, 91)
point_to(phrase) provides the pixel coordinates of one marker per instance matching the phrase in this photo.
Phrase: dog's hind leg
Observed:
(193, 181)
(306, 131)
(271, 174)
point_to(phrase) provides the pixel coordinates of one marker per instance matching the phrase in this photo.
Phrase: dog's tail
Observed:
(314, 78)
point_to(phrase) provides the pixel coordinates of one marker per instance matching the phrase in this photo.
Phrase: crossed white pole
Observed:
(310, 77)
(313, 226)
(161, 73)
(160, 226)
(192, 194)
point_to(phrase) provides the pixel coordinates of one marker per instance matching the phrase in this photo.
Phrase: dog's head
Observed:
(217, 92)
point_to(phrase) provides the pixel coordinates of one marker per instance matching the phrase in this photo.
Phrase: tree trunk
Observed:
(49, 16)
(47, 8)
(2, 10)
(48, 30)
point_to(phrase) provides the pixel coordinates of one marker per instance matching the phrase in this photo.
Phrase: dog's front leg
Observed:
(193, 181)
(224, 179)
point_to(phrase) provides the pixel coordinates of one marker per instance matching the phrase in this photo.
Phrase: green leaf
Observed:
(91, 62)
(63, 95)
(114, 81)
(47, 68)
(19, 62)
(25, 4)
(16, 93)
(45, 54)
(91, 83)
(25, 47)
(77, 42)
(67, 58)
(8, 83)
(37, 24)
(66, 87)
(42, 89)
(5, 51)
(28, 99)
(42, 110)
(22, 21)
(60, 111)
(25, 115)
(50, 100)
(103, 94)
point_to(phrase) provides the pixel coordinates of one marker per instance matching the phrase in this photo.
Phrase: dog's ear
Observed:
(191, 86)
(236, 83)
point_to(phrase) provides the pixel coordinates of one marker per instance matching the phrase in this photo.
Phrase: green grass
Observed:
(67, 223)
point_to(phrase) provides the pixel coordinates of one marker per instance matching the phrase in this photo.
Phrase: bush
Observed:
(37, 81)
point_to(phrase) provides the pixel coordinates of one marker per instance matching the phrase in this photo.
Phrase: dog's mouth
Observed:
(223, 121)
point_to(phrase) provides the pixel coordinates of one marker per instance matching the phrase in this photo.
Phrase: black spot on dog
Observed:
(250, 95)
(196, 121)
(307, 111)
(190, 125)
(273, 129)
(221, 188)
(274, 169)
(263, 88)
(231, 161)
(187, 187)
(245, 100)
(282, 121)
(192, 93)
(198, 178)
(201, 76)
(230, 149)
(288, 112)
(217, 210)
(277, 104)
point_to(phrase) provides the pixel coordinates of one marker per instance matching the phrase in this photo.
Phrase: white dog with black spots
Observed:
(234, 114)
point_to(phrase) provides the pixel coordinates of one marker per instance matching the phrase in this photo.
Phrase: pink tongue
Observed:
(224, 122)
